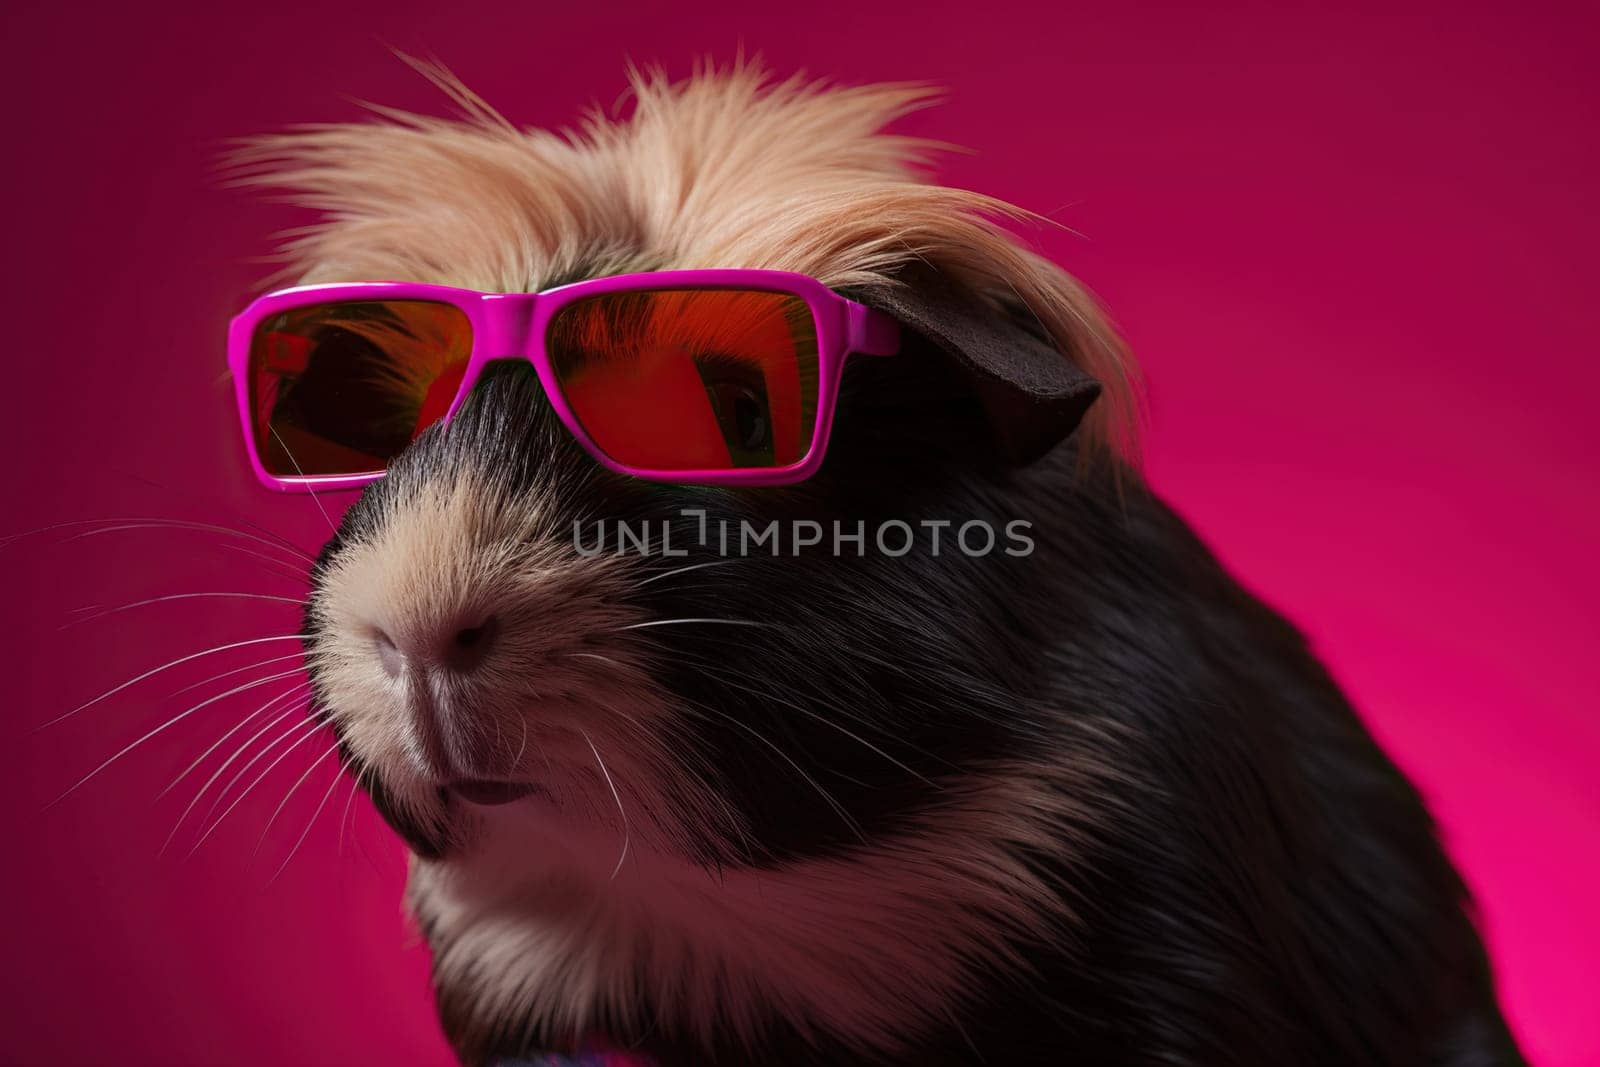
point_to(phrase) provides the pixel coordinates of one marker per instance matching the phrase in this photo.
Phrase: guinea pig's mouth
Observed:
(488, 792)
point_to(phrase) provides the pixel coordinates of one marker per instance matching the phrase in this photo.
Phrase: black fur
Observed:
(1253, 882)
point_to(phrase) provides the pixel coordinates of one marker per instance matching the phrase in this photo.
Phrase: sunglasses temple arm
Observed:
(872, 332)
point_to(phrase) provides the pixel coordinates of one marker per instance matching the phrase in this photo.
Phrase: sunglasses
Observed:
(712, 377)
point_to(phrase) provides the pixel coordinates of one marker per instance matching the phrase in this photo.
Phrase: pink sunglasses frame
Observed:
(513, 326)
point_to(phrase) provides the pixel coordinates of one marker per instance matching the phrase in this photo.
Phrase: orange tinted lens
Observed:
(690, 379)
(341, 388)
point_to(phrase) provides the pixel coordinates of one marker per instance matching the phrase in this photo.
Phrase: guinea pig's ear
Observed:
(1032, 393)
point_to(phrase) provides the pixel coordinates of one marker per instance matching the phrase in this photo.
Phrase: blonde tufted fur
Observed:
(729, 168)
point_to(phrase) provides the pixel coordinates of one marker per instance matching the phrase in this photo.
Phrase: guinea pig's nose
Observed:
(454, 648)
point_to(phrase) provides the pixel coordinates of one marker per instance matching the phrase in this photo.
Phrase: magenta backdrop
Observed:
(1354, 252)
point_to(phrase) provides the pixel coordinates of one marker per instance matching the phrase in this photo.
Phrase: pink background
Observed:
(1353, 251)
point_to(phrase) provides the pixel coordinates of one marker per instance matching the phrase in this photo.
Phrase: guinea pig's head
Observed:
(715, 687)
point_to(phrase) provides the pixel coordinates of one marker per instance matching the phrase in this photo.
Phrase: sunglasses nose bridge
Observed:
(505, 327)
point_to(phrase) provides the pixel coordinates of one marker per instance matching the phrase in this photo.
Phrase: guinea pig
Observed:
(1046, 787)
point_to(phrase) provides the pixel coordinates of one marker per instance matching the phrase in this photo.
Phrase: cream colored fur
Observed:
(727, 169)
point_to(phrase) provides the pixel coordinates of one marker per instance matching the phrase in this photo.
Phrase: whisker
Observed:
(308, 726)
(241, 750)
(277, 566)
(682, 622)
(344, 818)
(595, 655)
(499, 734)
(338, 776)
(832, 802)
(627, 832)
(167, 725)
(148, 523)
(516, 761)
(287, 694)
(236, 800)
(684, 570)
(166, 667)
(239, 670)
(181, 596)
(293, 789)
(767, 694)
(212, 503)
(315, 499)
(733, 820)
(824, 720)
